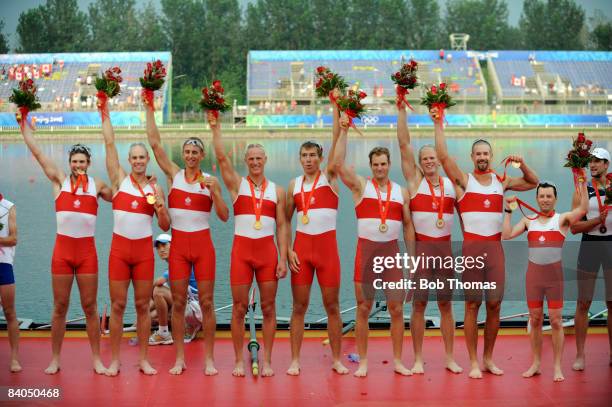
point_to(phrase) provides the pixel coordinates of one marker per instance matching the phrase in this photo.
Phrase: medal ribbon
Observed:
(438, 201)
(198, 175)
(522, 204)
(138, 186)
(306, 204)
(383, 211)
(602, 207)
(81, 180)
(506, 161)
(257, 209)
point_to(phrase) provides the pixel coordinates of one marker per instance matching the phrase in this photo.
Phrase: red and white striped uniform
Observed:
(244, 213)
(131, 213)
(368, 214)
(545, 241)
(189, 204)
(7, 253)
(323, 208)
(424, 211)
(481, 209)
(76, 213)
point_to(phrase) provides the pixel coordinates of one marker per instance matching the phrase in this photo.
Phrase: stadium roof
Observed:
(94, 57)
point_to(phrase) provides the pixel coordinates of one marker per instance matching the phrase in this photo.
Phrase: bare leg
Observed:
(267, 294)
(62, 284)
(535, 339)
(447, 326)
(417, 330)
(557, 341)
(206, 292)
(470, 328)
(142, 295)
(179, 299)
(240, 295)
(7, 295)
(581, 324)
(364, 306)
(490, 335)
(88, 290)
(396, 311)
(118, 295)
(301, 297)
(334, 326)
(162, 298)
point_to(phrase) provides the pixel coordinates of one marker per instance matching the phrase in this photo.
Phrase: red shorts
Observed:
(192, 250)
(253, 256)
(320, 253)
(490, 255)
(544, 280)
(74, 255)
(366, 251)
(131, 259)
(433, 254)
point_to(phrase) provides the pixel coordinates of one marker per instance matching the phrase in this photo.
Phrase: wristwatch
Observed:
(507, 210)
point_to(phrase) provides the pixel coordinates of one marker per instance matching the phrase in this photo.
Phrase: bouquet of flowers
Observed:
(578, 158)
(24, 96)
(438, 97)
(608, 200)
(405, 79)
(213, 99)
(108, 87)
(351, 105)
(153, 80)
(328, 81)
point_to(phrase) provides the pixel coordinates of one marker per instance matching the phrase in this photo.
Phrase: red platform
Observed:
(317, 385)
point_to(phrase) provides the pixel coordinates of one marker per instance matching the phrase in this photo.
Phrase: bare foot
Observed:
(579, 363)
(209, 368)
(98, 366)
(178, 367)
(362, 370)
(453, 366)
(267, 370)
(401, 369)
(15, 366)
(53, 367)
(533, 370)
(238, 369)
(490, 367)
(475, 372)
(339, 368)
(146, 368)
(418, 367)
(294, 368)
(113, 368)
(558, 376)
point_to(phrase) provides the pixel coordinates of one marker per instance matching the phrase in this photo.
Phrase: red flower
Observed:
(216, 84)
(319, 82)
(434, 90)
(442, 86)
(320, 69)
(583, 153)
(589, 143)
(413, 63)
(158, 64)
(330, 75)
(398, 75)
(205, 91)
(609, 176)
(581, 138)
(362, 95)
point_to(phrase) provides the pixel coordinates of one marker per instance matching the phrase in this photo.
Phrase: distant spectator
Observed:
(88, 81)
(441, 54)
(449, 58)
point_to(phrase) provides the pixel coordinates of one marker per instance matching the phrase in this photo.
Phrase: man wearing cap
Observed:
(162, 296)
(595, 251)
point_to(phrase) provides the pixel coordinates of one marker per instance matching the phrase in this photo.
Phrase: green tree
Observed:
(554, 24)
(486, 21)
(151, 33)
(425, 34)
(114, 25)
(601, 36)
(329, 22)
(29, 27)
(4, 49)
(186, 98)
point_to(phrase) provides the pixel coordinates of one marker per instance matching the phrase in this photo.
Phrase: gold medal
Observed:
(383, 227)
(440, 223)
(516, 164)
(257, 225)
(80, 172)
(151, 199)
(201, 179)
(305, 219)
(513, 205)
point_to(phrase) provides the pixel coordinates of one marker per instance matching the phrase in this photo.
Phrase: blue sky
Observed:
(10, 10)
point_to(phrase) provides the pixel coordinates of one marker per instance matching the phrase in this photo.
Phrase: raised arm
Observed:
(231, 178)
(528, 181)
(163, 216)
(582, 196)
(408, 227)
(213, 185)
(281, 232)
(449, 164)
(116, 174)
(292, 257)
(51, 170)
(330, 169)
(411, 172)
(348, 176)
(165, 163)
(11, 239)
(508, 231)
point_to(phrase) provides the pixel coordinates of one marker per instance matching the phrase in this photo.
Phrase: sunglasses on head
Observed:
(80, 149)
(194, 142)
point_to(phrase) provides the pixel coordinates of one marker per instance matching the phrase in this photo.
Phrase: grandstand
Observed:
(66, 85)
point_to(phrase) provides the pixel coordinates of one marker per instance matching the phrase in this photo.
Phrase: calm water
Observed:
(22, 181)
